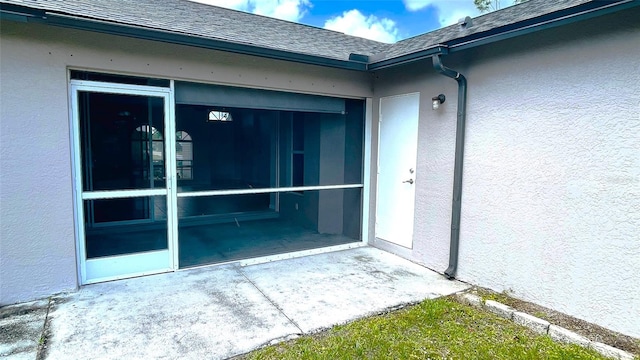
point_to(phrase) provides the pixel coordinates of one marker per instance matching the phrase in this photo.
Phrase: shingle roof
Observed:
(207, 21)
(216, 23)
(521, 12)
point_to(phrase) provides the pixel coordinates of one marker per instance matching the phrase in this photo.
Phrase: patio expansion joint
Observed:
(41, 352)
(272, 303)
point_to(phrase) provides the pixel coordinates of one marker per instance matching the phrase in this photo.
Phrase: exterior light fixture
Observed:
(437, 100)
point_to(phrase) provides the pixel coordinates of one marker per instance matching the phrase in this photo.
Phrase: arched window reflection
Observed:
(184, 155)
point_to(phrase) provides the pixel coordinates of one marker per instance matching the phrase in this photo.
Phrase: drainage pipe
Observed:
(450, 273)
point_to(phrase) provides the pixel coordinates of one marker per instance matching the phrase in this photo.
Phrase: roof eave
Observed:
(24, 14)
(564, 17)
(567, 16)
(582, 12)
(409, 58)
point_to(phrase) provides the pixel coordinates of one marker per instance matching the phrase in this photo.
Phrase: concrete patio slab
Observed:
(317, 292)
(21, 328)
(221, 311)
(208, 313)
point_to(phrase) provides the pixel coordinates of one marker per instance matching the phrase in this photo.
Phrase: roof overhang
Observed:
(567, 16)
(356, 62)
(30, 15)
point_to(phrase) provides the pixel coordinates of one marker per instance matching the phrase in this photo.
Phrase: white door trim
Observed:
(366, 171)
(172, 180)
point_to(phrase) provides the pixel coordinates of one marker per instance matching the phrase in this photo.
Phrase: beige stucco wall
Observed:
(551, 189)
(37, 241)
(550, 196)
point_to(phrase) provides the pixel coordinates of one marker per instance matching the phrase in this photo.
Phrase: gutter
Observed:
(408, 58)
(587, 11)
(567, 16)
(456, 205)
(27, 15)
(359, 63)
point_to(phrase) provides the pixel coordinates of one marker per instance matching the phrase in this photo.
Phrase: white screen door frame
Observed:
(397, 158)
(137, 263)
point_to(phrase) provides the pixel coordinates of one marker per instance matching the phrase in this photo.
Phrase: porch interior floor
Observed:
(204, 244)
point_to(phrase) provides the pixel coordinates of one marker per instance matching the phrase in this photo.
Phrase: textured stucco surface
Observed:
(551, 190)
(36, 211)
(37, 241)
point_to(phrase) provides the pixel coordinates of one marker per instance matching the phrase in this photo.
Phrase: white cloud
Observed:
(242, 5)
(291, 10)
(353, 22)
(449, 11)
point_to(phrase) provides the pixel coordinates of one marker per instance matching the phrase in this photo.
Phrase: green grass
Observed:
(433, 329)
(502, 297)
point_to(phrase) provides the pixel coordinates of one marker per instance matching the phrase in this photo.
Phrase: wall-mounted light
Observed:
(437, 100)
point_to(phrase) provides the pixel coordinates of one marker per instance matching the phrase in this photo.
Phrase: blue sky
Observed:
(382, 20)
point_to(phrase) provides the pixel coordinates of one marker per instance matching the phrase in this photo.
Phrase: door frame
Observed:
(86, 267)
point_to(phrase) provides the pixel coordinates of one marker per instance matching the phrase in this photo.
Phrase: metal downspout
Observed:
(450, 273)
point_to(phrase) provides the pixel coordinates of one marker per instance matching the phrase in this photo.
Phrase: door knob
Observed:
(410, 181)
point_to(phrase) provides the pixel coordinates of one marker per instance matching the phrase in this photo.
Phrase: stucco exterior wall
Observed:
(37, 241)
(37, 249)
(551, 189)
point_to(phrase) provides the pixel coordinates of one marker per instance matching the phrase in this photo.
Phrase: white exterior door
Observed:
(397, 153)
